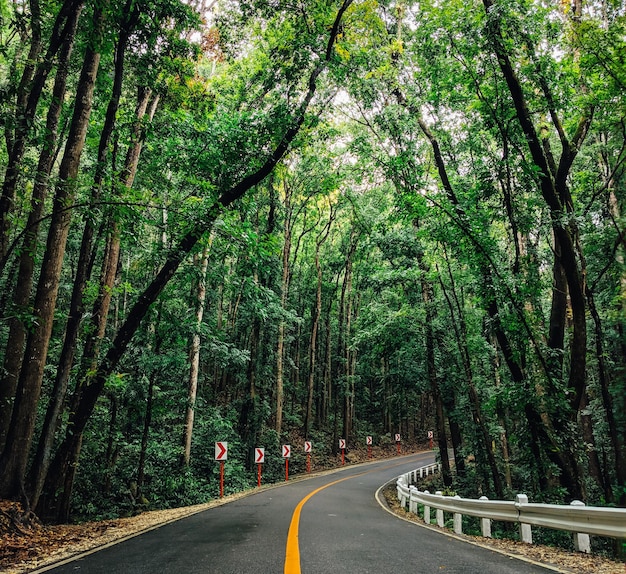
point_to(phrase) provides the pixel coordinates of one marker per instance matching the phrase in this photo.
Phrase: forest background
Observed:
(262, 221)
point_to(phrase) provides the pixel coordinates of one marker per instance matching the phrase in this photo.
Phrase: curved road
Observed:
(327, 524)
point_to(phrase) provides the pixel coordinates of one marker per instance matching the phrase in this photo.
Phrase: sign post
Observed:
(398, 442)
(259, 458)
(369, 441)
(430, 439)
(307, 449)
(286, 455)
(342, 446)
(221, 454)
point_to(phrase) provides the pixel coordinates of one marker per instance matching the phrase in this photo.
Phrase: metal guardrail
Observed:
(578, 518)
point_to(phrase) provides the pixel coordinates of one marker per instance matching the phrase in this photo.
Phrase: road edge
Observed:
(197, 509)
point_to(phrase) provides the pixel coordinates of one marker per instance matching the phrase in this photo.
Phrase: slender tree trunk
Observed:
(15, 456)
(17, 331)
(112, 451)
(284, 294)
(328, 369)
(616, 415)
(345, 311)
(440, 418)
(456, 437)
(315, 318)
(194, 355)
(100, 312)
(604, 382)
(347, 423)
(145, 435)
(460, 330)
(83, 272)
(504, 441)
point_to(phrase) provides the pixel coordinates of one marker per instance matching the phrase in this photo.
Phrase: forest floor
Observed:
(27, 545)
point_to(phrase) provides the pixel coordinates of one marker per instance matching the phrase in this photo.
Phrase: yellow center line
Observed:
(292, 556)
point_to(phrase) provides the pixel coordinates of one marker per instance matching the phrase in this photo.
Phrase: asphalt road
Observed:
(325, 525)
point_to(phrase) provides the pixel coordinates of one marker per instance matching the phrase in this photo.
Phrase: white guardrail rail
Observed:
(578, 518)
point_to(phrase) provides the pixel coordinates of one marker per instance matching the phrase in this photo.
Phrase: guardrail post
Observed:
(412, 499)
(485, 523)
(525, 530)
(399, 485)
(426, 511)
(458, 520)
(439, 513)
(581, 541)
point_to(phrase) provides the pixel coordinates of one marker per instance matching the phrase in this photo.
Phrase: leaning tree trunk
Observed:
(70, 446)
(460, 331)
(554, 190)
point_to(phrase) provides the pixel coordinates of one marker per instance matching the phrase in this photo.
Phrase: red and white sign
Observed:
(430, 434)
(307, 446)
(342, 443)
(286, 451)
(259, 455)
(221, 450)
(368, 441)
(397, 437)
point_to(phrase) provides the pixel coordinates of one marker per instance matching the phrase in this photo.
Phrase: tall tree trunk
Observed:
(84, 267)
(456, 437)
(460, 331)
(100, 312)
(17, 330)
(284, 294)
(145, 435)
(194, 354)
(345, 311)
(604, 382)
(315, 319)
(113, 449)
(440, 417)
(15, 455)
(504, 441)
